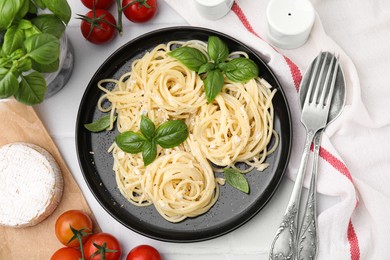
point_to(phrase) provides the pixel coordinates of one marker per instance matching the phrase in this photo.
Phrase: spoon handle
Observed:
(307, 238)
(284, 243)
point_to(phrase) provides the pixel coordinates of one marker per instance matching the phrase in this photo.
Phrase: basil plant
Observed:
(30, 32)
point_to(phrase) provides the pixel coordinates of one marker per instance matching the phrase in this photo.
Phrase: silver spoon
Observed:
(307, 236)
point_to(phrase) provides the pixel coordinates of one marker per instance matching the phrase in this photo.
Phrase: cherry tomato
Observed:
(75, 219)
(66, 253)
(99, 28)
(140, 10)
(99, 4)
(102, 239)
(143, 252)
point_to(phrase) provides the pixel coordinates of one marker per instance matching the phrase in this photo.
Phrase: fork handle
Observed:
(284, 243)
(307, 238)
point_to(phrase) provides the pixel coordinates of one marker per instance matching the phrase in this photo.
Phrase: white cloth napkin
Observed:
(356, 226)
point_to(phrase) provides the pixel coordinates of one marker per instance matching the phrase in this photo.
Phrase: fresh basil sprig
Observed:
(171, 133)
(147, 128)
(217, 49)
(241, 69)
(216, 65)
(192, 58)
(60, 8)
(213, 84)
(30, 46)
(130, 142)
(100, 124)
(149, 152)
(168, 135)
(236, 179)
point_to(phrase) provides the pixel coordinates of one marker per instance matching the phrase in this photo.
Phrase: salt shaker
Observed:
(289, 22)
(213, 9)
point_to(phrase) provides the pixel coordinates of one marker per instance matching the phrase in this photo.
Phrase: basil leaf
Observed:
(206, 67)
(147, 128)
(13, 40)
(24, 8)
(39, 3)
(17, 54)
(130, 142)
(213, 84)
(149, 152)
(32, 89)
(8, 83)
(60, 8)
(49, 23)
(100, 125)
(246, 69)
(192, 58)
(9, 11)
(23, 65)
(31, 31)
(43, 48)
(32, 9)
(24, 24)
(217, 49)
(236, 179)
(171, 133)
(46, 68)
(225, 66)
(5, 62)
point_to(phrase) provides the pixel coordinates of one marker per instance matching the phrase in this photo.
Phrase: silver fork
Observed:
(307, 232)
(314, 117)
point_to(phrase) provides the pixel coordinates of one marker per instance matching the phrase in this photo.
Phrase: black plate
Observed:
(233, 207)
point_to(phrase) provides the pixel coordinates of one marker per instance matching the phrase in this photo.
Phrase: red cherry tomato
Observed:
(75, 219)
(66, 253)
(103, 31)
(99, 4)
(102, 239)
(143, 252)
(140, 10)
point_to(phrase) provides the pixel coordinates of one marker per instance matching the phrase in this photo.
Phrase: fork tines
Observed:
(323, 91)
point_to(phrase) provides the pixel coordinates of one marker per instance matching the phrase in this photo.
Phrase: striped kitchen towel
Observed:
(356, 224)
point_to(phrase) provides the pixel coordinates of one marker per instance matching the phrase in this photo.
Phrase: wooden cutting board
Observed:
(20, 123)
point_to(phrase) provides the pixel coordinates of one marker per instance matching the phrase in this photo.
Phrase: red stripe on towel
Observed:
(353, 242)
(295, 72)
(335, 162)
(238, 11)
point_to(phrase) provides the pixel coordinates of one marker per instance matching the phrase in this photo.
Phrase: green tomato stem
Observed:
(120, 11)
(79, 238)
(78, 233)
(103, 252)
